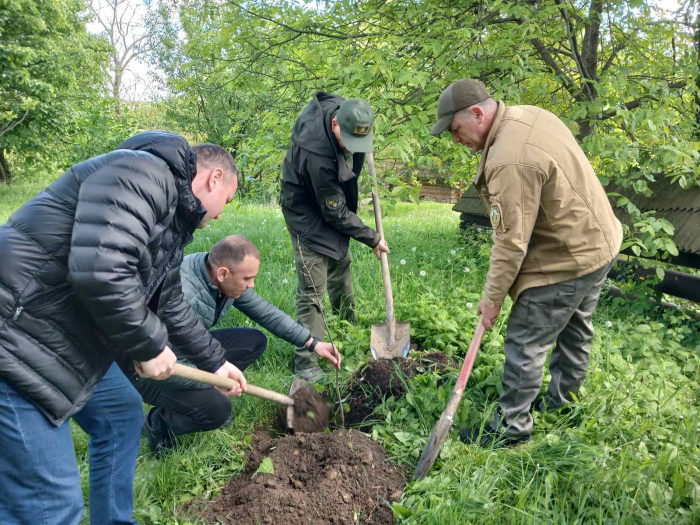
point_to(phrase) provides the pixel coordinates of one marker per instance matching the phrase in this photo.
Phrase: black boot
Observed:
(161, 442)
(490, 438)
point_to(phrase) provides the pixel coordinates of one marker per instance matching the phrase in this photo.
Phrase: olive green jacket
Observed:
(552, 220)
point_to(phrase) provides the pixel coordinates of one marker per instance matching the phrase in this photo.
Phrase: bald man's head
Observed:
(233, 264)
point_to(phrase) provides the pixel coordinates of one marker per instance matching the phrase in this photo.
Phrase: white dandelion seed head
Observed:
(466, 269)
(469, 305)
(422, 273)
(453, 252)
(403, 261)
(608, 324)
(285, 281)
(413, 249)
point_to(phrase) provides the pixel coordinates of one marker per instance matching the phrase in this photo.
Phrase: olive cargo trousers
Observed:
(542, 316)
(317, 273)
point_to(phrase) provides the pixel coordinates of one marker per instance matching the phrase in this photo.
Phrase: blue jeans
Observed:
(39, 474)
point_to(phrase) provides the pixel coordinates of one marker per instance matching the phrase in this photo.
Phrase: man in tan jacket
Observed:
(555, 238)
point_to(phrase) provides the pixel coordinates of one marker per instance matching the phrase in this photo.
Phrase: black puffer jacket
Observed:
(90, 273)
(319, 193)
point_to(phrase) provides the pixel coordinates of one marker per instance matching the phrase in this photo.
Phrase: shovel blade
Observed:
(433, 446)
(383, 347)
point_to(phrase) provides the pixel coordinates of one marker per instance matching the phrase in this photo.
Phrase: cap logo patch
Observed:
(361, 130)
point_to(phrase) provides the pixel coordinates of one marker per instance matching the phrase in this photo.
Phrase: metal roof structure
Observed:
(678, 206)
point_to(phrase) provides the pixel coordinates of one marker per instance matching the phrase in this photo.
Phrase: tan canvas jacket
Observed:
(551, 218)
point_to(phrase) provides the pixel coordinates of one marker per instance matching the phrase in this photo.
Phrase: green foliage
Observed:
(52, 70)
(627, 453)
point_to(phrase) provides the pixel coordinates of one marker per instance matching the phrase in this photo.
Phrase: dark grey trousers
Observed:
(557, 313)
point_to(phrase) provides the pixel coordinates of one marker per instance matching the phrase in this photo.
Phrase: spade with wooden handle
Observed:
(442, 427)
(390, 338)
(200, 376)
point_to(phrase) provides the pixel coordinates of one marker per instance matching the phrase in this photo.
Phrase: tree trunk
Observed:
(116, 86)
(4, 167)
(589, 66)
(697, 77)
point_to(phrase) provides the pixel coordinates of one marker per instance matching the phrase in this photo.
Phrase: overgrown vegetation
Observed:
(624, 76)
(628, 453)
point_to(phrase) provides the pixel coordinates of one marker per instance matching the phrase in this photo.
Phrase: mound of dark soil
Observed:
(318, 479)
(382, 378)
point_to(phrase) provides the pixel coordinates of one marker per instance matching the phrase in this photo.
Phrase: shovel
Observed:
(391, 338)
(442, 427)
(200, 376)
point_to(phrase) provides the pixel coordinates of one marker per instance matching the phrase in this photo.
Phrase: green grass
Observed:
(628, 453)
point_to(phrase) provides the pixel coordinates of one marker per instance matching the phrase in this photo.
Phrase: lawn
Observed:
(628, 452)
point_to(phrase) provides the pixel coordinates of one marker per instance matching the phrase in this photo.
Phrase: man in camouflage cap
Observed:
(555, 238)
(319, 201)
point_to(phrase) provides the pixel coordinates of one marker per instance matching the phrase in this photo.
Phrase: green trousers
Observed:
(317, 273)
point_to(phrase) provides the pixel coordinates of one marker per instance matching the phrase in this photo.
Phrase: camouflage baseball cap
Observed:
(355, 118)
(458, 95)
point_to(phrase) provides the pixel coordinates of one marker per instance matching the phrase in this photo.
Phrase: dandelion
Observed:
(413, 249)
(466, 269)
(453, 252)
(608, 324)
(285, 281)
(403, 261)
(422, 273)
(469, 305)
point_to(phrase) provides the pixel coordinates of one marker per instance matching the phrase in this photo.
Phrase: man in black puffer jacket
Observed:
(90, 274)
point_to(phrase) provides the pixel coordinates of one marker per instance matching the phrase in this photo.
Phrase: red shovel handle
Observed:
(470, 357)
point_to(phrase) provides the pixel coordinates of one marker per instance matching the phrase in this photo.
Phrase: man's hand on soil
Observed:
(488, 313)
(160, 367)
(330, 352)
(381, 247)
(232, 372)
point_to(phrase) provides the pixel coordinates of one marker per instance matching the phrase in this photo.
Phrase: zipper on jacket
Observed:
(18, 312)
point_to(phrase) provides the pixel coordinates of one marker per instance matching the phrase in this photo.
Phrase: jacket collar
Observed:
(203, 274)
(489, 140)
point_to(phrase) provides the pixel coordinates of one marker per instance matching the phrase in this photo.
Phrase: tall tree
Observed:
(49, 65)
(619, 73)
(122, 23)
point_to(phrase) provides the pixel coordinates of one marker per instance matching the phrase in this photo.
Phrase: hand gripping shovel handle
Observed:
(442, 427)
(200, 376)
(388, 296)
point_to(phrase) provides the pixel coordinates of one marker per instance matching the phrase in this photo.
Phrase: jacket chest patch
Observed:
(333, 202)
(495, 216)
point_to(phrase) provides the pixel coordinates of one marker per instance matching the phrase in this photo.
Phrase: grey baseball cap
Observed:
(458, 95)
(355, 118)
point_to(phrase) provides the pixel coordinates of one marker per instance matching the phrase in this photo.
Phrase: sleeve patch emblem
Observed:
(333, 202)
(495, 217)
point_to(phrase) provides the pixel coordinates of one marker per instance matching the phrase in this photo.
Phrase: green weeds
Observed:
(628, 452)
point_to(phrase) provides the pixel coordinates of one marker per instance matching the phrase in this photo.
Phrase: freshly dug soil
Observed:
(318, 479)
(383, 378)
(311, 414)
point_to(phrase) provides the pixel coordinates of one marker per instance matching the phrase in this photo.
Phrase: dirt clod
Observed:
(311, 413)
(327, 491)
(383, 378)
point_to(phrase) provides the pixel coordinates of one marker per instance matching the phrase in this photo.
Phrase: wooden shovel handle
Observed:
(386, 277)
(470, 357)
(200, 376)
